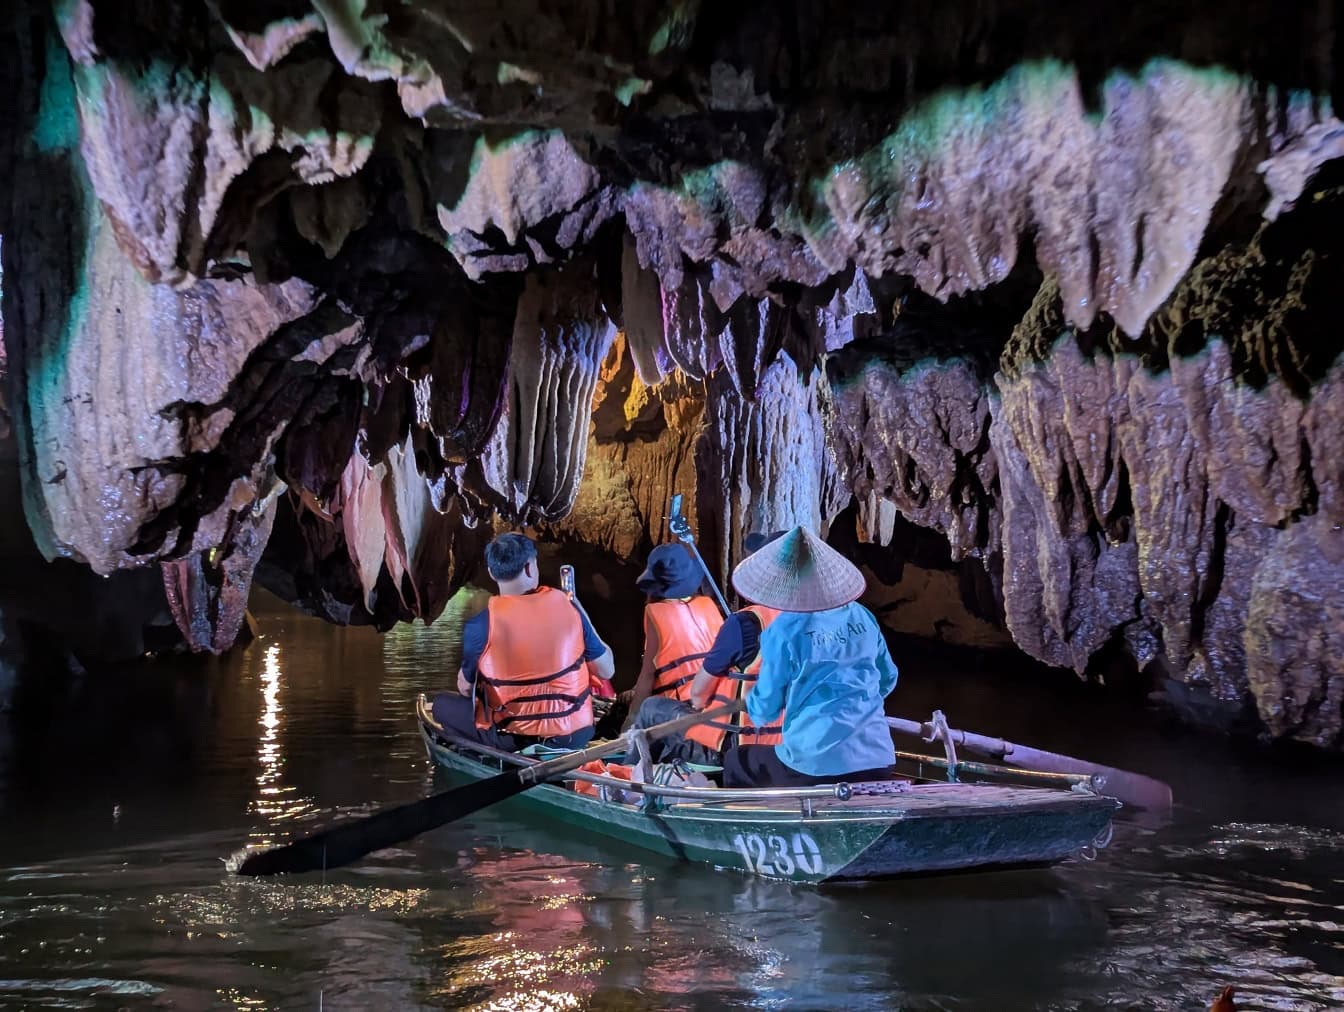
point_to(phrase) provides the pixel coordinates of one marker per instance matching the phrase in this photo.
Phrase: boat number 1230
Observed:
(779, 855)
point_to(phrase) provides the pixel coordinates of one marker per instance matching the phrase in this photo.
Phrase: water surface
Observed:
(120, 797)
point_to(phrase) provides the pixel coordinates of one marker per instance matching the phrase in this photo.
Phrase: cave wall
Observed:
(328, 293)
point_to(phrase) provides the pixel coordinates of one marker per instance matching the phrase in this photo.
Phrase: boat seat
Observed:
(539, 751)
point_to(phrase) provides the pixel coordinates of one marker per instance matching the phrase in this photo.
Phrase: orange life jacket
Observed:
(736, 685)
(618, 770)
(601, 687)
(531, 678)
(686, 631)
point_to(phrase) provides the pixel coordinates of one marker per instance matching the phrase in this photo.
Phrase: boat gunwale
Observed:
(687, 795)
(709, 804)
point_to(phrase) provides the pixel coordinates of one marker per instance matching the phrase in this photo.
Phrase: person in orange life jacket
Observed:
(728, 668)
(825, 671)
(523, 678)
(679, 628)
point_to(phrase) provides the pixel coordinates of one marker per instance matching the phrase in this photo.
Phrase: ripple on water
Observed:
(1247, 905)
(115, 877)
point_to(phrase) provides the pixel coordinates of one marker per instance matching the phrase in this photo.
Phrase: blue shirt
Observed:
(736, 645)
(476, 634)
(829, 671)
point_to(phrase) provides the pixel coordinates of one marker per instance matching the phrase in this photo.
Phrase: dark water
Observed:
(119, 798)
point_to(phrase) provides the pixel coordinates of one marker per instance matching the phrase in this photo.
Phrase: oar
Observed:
(347, 842)
(1131, 788)
(681, 527)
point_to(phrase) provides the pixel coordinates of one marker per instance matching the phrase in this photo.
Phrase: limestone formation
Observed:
(332, 290)
(560, 339)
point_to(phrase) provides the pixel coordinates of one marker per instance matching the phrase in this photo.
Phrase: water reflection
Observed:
(505, 911)
(275, 801)
(588, 931)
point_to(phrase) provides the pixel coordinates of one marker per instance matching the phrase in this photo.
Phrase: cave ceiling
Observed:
(325, 291)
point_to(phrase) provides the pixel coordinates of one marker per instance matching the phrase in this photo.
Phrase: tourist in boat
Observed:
(727, 673)
(824, 671)
(523, 678)
(680, 624)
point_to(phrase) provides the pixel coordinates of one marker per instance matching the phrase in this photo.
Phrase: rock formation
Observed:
(327, 291)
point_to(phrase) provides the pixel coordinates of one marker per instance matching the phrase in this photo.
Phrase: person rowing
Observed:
(680, 624)
(824, 671)
(726, 673)
(523, 678)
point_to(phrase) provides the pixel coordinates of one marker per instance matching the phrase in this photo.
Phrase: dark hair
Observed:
(506, 556)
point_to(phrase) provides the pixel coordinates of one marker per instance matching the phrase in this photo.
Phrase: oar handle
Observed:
(995, 748)
(1131, 788)
(552, 768)
(681, 527)
(714, 587)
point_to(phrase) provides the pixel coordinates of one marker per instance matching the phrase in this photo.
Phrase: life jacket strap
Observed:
(576, 704)
(678, 662)
(539, 680)
(661, 690)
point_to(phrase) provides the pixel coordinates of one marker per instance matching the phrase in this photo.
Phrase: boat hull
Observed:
(920, 830)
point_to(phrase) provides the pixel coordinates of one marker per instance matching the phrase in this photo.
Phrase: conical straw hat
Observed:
(798, 572)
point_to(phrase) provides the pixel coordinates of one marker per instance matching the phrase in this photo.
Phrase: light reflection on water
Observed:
(501, 912)
(275, 801)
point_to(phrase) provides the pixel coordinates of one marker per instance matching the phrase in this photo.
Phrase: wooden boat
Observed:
(817, 834)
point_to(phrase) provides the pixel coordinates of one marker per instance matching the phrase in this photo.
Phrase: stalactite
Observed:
(764, 465)
(913, 436)
(641, 451)
(207, 591)
(392, 525)
(182, 146)
(1165, 499)
(363, 521)
(514, 188)
(110, 417)
(459, 390)
(642, 308)
(560, 339)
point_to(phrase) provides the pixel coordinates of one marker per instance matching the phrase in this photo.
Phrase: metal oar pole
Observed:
(681, 527)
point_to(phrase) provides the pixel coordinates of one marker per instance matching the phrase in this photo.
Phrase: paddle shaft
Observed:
(342, 844)
(689, 542)
(1131, 788)
(681, 527)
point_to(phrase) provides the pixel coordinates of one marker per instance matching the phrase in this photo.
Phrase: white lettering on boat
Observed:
(778, 855)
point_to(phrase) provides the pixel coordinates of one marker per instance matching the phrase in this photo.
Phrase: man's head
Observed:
(512, 562)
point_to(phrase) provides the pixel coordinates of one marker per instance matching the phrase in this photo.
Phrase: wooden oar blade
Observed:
(341, 845)
(1133, 789)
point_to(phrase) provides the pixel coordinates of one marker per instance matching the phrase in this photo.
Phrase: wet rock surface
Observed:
(330, 292)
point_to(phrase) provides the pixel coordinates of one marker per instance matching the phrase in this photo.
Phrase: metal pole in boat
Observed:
(681, 527)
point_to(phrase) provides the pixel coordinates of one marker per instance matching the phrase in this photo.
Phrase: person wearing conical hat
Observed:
(825, 668)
